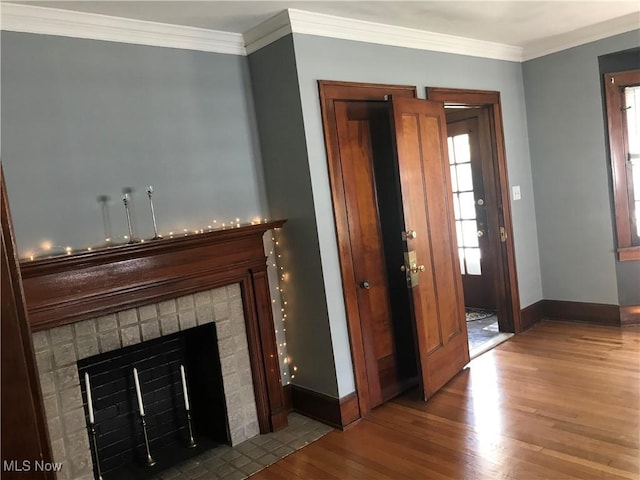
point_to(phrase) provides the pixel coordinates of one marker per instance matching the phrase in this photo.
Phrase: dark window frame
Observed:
(628, 240)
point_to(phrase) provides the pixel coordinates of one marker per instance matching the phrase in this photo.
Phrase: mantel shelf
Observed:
(69, 288)
(109, 254)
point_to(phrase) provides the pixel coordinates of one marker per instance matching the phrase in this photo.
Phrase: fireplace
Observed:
(58, 349)
(91, 304)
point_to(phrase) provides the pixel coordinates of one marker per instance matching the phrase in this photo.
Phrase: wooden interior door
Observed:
(420, 130)
(24, 433)
(469, 156)
(374, 216)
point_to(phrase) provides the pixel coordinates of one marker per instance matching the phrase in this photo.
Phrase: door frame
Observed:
(509, 315)
(330, 92)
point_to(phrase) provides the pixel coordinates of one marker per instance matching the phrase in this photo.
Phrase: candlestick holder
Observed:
(153, 213)
(192, 442)
(125, 200)
(92, 431)
(150, 461)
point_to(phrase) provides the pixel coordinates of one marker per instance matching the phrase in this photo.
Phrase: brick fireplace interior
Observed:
(119, 436)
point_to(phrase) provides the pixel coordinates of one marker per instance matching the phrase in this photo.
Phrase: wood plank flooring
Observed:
(558, 402)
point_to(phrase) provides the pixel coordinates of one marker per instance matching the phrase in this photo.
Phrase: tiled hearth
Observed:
(58, 350)
(236, 463)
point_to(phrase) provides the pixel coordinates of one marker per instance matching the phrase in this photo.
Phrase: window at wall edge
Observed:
(622, 95)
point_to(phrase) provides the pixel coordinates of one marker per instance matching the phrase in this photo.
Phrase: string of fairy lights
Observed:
(278, 278)
(47, 248)
(277, 274)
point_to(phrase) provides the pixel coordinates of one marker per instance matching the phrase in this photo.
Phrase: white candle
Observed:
(89, 399)
(138, 392)
(184, 388)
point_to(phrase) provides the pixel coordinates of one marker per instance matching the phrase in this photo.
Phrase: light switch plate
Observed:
(516, 192)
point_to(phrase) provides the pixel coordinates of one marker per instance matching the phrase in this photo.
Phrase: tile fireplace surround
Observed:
(58, 349)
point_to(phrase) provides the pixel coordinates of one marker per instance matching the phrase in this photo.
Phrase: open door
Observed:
(431, 261)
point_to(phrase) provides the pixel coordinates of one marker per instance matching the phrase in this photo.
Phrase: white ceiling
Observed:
(516, 23)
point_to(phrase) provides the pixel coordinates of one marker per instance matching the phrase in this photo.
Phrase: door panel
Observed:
(437, 300)
(360, 125)
(468, 155)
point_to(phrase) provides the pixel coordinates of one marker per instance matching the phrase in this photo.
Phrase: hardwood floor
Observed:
(558, 402)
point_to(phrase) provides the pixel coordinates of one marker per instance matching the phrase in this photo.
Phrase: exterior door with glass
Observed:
(470, 201)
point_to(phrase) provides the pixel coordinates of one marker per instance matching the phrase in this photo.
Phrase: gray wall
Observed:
(81, 118)
(287, 177)
(571, 176)
(331, 59)
(628, 275)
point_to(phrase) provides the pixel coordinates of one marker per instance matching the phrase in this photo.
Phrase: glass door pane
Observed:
(464, 204)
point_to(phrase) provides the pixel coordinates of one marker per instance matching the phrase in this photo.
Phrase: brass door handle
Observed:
(411, 268)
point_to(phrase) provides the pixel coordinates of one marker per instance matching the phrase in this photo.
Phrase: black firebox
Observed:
(119, 436)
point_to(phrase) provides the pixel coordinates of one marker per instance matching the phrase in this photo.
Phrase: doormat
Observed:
(478, 314)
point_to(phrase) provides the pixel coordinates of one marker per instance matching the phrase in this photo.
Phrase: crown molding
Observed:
(615, 26)
(67, 23)
(267, 32)
(350, 29)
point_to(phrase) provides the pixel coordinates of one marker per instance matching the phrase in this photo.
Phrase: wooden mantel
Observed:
(71, 288)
